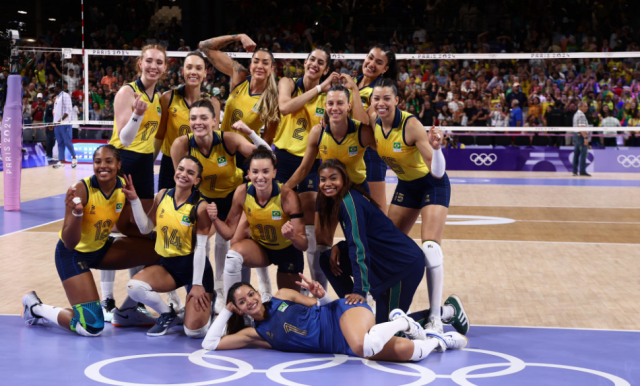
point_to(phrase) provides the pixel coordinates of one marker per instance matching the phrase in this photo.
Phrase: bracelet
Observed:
(319, 88)
(77, 215)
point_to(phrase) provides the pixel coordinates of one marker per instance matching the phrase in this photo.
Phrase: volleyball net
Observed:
(455, 123)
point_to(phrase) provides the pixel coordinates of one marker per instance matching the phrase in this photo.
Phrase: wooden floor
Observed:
(570, 258)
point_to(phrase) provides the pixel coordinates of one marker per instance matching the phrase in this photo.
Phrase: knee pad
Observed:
(432, 254)
(233, 263)
(88, 319)
(199, 333)
(138, 290)
(372, 344)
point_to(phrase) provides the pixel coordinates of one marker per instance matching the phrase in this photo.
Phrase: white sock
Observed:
(221, 247)
(264, 280)
(380, 334)
(134, 270)
(142, 292)
(107, 278)
(422, 348)
(310, 230)
(435, 281)
(315, 268)
(48, 312)
(435, 276)
(448, 311)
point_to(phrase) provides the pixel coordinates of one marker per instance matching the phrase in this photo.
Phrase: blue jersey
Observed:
(381, 255)
(297, 328)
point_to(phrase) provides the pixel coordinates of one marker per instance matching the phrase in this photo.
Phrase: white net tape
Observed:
(440, 56)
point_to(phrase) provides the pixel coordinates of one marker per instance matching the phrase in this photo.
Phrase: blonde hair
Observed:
(147, 48)
(268, 102)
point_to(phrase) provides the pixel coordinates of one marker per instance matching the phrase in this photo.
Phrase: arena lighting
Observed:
(52, 19)
(23, 12)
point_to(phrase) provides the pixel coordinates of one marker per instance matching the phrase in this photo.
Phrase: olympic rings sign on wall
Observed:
(425, 375)
(629, 161)
(483, 159)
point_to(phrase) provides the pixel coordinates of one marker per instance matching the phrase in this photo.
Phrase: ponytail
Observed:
(268, 102)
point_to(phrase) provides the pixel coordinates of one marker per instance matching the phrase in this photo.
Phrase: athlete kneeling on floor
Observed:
(183, 228)
(93, 206)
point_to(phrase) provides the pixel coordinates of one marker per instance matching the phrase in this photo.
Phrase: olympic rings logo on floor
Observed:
(274, 373)
(629, 161)
(483, 159)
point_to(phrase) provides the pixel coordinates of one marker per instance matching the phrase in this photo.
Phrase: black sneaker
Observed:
(585, 175)
(164, 323)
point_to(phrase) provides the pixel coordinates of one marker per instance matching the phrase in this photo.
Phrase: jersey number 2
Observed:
(149, 129)
(296, 133)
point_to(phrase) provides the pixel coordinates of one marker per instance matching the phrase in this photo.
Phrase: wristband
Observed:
(77, 215)
(319, 88)
(325, 300)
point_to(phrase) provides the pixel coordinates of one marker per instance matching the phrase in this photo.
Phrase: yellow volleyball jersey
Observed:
(242, 105)
(177, 121)
(175, 230)
(349, 151)
(406, 161)
(143, 143)
(220, 176)
(293, 130)
(100, 214)
(366, 91)
(266, 221)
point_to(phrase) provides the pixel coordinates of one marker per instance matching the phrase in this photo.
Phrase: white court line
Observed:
(26, 229)
(585, 222)
(521, 241)
(547, 206)
(491, 325)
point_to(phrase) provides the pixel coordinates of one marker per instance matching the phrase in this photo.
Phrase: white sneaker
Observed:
(434, 325)
(415, 332)
(74, 162)
(29, 300)
(132, 317)
(58, 165)
(449, 341)
(219, 305)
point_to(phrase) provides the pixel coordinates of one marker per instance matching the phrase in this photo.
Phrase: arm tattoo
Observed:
(209, 44)
(238, 68)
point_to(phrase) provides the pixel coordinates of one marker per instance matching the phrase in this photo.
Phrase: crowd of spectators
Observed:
(492, 93)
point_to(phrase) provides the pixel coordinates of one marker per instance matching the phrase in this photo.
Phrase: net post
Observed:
(12, 144)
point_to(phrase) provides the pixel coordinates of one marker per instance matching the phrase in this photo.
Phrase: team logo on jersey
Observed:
(427, 199)
(364, 100)
(256, 109)
(353, 150)
(319, 112)
(324, 149)
(159, 111)
(283, 306)
(248, 212)
(162, 214)
(397, 147)
(185, 221)
(276, 215)
(119, 207)
(93, 209)
(222, 161)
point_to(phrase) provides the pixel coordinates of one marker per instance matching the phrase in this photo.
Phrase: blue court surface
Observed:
(48, 355)
(571, 181)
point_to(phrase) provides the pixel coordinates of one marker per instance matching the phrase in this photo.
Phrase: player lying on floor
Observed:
(291, 321)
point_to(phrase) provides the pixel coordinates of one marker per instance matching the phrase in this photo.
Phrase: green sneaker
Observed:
(460, 320)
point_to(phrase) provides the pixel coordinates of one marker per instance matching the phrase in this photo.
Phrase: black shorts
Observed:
(288, 164)
(376, 168)
(288, 260)
(223, 204)
(181, 270)
(166, 179)
(70, 263)
(424, 191)
(140, 167)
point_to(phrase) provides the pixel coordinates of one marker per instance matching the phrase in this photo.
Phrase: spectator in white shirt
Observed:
(609, 136)
(421, 34)
(62, 113)
(70, 79)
